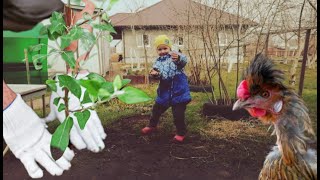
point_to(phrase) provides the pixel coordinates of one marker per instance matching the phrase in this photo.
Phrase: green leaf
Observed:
(105, 27)
(117, 83)
(125, 82)
(96, 77)
(44, 30)
(57, 28)
(71, 84)
(60, 138)
(105, 17)
(53, 51)
(93, 98)
(108, 37)
(61, 107)
(87, 40)
(56, 101)
(82, 118)
(108, 86)
(91, 86)
(103, 94)
(133, 95)
(56, 17)
(76, 33)
(38, 58)
(86, 98)
(68, 56)
(65, 41)
(57, 24)
(35, 48)
(53, 36)
(52, 84)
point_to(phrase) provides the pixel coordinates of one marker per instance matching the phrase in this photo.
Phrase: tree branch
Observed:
(312, 5)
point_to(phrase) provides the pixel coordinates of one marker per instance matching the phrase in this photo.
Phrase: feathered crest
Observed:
(262, 72)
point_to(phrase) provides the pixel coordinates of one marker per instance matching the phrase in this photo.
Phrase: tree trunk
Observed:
(293, 69)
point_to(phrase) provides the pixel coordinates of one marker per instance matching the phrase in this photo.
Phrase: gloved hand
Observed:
(154, 73)
(91, 137)
(29, 140)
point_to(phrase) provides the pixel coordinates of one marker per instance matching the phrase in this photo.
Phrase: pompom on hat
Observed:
(162, 40)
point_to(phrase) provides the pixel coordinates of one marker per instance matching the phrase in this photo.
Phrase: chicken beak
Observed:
(239, 104)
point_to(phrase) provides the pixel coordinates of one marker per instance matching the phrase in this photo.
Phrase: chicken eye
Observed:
(265, 94)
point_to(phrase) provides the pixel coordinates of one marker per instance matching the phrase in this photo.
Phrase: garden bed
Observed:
(224, 111)
(197, 88)
(128, 155)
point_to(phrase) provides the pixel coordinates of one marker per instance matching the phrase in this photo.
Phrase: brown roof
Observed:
(175, 13)
(119, 17)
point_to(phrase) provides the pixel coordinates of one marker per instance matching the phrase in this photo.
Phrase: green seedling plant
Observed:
(96, 89)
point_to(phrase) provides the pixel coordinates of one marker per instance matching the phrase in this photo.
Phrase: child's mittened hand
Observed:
(154, 72)
(174, 56)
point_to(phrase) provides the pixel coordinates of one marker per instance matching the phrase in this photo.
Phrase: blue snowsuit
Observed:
(173, 87)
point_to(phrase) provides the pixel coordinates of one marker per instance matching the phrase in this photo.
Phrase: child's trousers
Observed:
(178, 112)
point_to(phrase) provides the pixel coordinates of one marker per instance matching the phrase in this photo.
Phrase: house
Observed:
(184, 21)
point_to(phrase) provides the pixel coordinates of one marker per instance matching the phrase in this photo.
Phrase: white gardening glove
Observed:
(29, 140)
(92, 136)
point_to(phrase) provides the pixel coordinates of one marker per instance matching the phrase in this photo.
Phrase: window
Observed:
(143, 38)
(180, 41)
(223, 39)
(146, 39)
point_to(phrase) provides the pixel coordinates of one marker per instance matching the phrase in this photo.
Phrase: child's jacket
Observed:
(173, 87)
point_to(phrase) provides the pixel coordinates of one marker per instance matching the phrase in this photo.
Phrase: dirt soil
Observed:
(129, 155)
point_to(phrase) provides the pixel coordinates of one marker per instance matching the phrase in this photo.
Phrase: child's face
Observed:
(163, 50)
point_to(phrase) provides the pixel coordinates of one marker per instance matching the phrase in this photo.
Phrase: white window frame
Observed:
(141, 38)
(178, 39)
(223, 39)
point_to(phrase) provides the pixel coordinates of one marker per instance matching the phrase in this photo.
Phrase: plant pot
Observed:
(224, 111)
(135, 79)
(199, 88)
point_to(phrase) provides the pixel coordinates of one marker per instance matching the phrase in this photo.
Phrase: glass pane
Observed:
(146, 39)
(180, 41)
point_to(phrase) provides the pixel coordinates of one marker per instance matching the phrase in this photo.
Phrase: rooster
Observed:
(263, 94)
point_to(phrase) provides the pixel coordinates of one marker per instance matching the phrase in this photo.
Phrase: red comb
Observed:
(242, 90)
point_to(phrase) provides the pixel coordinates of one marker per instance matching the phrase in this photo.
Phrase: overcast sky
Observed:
(130, 5)
(122, 5)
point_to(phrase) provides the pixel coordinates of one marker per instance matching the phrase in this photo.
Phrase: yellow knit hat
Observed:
(162, 39)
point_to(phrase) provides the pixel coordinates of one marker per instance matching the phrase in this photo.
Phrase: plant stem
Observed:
(87, 20)
(66, 102)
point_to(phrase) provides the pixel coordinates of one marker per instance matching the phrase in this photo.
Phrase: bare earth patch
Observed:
(128, 155)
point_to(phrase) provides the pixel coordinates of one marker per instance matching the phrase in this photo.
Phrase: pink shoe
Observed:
(178, 138)
(147, 130)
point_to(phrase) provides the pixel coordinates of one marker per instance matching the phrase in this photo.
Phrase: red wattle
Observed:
(257, 112)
